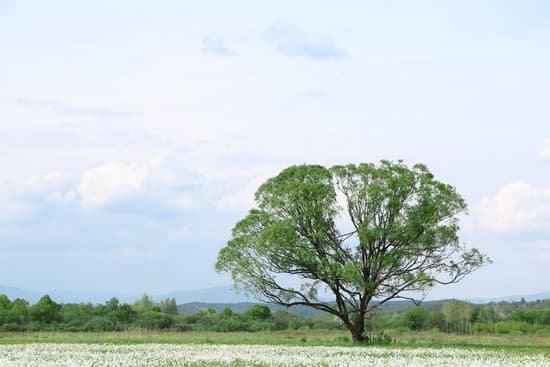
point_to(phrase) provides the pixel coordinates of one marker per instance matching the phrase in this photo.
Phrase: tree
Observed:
(144, 304)
(457, 315)
(5, 305)
(45, 310)
(5, 302)
(258, 312)
(416, 318)
(19, 311)
(397, 237)
(169, 306)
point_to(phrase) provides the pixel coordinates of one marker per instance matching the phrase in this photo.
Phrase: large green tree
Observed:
(396, 238)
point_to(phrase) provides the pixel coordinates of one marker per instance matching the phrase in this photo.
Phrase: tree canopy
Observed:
(365, 233)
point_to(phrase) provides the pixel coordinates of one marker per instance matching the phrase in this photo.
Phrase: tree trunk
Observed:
(358, 336)
(357, 328)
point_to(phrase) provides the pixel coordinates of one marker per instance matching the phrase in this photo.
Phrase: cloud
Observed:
(544, 149)
(215, 46)
(155, 187)
(140, 185)
(22, 198)
(71, 111)
(292, 42)
(110, 182)
(517, 207)
(45, 183)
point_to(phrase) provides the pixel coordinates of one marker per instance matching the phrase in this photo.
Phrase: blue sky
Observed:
(133, 135)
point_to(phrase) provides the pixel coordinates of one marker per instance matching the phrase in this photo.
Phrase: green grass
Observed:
(517, 343)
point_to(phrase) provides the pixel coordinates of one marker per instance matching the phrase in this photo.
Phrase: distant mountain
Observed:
(216, 295)
(243, 306)
(208, 295)
(527, 297)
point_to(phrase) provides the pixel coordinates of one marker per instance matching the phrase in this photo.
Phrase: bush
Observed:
(153, 320)
(258, 312)
(506, 327)
(381, 339)
(99, 324)
(416, 319)
(45, 310)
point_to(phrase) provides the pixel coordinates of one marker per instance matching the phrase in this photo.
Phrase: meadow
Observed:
(144, 334)
(146, 355)
(525, 344)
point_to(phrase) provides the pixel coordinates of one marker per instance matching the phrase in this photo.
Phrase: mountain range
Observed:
(215, 295)
(224, 294)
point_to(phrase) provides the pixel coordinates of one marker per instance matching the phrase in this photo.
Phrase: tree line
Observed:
(450, 316)
(47, 315)
(466, 318)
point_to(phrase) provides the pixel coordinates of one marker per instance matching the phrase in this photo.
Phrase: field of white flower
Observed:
(97, 355)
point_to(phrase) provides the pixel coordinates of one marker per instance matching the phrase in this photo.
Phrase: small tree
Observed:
(5, 305)
(399, 237)
(457, 315)
(416, 318)
(169, 306)
(144, 304)
(19, 311)
(45, 310)
(258, 312)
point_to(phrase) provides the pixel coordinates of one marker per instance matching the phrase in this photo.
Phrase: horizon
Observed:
(63, 296)
(129, 150)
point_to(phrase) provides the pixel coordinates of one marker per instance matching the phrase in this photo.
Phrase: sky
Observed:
(134, 134)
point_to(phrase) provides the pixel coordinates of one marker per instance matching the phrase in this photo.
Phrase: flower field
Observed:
(98, 355)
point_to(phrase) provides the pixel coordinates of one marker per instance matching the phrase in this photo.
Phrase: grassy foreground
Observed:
(520, 343)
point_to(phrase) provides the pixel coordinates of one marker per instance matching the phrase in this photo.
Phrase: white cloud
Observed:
(110, 182)
(20, 197)
(544, 149)
(44, 183)
(160, 184)
(155, 181)
(517, 207)
(62, 197)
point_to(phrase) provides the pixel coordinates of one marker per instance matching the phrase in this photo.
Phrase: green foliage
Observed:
(45, 310)
(19, 312)
(507, 327)
(5, 302)
(403, 238)
(532, 316)
(152, 320)
(169, 306)
(258, 312)
(5, 306)
(416, 319)
(113, 316)
(522, 318)
(457, 316)
(381, 339)
(144, 304)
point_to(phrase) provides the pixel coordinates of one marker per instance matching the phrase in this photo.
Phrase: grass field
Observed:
(520, 343)
(194, 355)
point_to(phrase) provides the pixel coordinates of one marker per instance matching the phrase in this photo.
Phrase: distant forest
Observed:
(446, 316)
